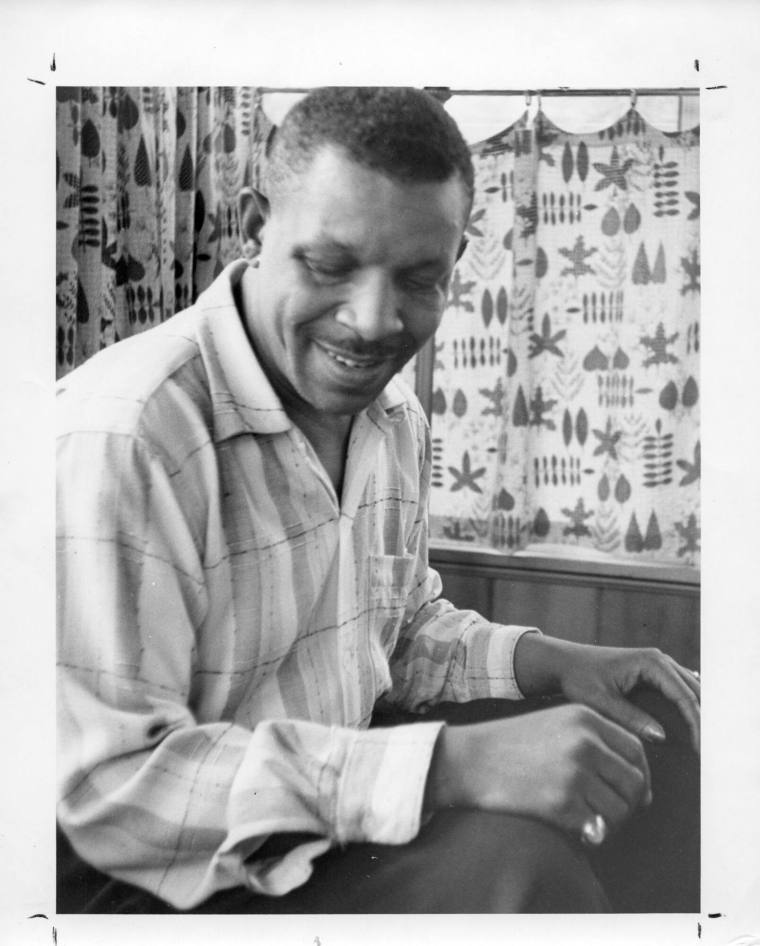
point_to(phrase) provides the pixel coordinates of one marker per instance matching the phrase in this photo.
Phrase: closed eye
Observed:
(421, 285)
(325, 273)
(422, 282)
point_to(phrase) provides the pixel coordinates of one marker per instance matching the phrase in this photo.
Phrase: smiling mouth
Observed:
(350, 361)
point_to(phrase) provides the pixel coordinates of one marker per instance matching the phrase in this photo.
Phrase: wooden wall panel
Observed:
(652, 619)
(563, 610)
(467, 590)
(636, 611)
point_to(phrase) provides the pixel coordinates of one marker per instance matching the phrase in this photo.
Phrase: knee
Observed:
(558, 877)
(509, 864)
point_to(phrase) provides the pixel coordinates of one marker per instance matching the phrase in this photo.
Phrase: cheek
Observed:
(422, 320)
(296, 310)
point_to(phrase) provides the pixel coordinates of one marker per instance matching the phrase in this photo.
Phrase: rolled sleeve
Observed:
(390, 768)
(348, 786)
(500, 660)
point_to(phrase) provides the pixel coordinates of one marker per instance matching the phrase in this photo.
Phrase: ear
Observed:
(253, 213)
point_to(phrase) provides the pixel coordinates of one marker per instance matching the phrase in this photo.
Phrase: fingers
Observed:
(623, 765)
(690, 678)
(631, 720)
(623, 742)
(613, 757)
(605, 801)
(614, 773)
(634, 720)
(678, 686)
(630, 781)
(676, 683)
(692, 681)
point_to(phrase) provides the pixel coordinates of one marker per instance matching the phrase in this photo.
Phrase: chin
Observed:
(346, 405)
(342, 401)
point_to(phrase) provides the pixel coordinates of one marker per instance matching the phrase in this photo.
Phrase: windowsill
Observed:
(563, 560)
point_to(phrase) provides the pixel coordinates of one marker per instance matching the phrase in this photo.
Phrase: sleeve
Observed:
(444, 653)
(147, 793)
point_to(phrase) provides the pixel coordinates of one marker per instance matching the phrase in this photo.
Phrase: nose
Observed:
(372, 309)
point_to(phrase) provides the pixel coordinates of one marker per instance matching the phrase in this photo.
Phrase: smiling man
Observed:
(244, 587)
(357, 267)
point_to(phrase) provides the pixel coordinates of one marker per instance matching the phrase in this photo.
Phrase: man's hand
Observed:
(562, 765)
(601, 677)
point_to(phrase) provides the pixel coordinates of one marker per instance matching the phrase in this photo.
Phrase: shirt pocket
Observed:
(390, 581)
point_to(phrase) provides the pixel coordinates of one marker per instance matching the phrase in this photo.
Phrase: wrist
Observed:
(539, 662)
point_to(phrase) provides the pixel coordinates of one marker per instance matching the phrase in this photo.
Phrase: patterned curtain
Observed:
(566, 381)
(147, 182)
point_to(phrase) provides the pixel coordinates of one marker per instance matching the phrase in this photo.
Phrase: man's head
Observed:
(368, 192)
(403, 133)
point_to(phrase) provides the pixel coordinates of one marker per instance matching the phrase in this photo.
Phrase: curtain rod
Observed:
(562, 90)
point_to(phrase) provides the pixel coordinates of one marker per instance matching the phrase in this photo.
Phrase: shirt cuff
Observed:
(381, 783)
(500, 660)
(346, 785)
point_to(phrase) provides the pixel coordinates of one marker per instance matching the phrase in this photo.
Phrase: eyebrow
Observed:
(434, 263)
(324, 244)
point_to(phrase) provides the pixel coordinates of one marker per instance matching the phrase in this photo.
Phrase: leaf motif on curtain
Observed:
(142, 166)
(591, 417)
(146, 184)
(186, 169)
(574, 313)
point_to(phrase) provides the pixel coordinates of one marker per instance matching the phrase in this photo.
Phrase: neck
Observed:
(320, 428)
(328, 435)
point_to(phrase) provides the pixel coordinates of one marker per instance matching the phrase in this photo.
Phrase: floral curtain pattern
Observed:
(147, 181)
(565, 404)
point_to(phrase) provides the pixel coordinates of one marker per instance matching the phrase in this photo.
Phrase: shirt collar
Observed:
(389, 406)
(243, 400)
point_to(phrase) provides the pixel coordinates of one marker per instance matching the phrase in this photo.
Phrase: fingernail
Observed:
(654, 733)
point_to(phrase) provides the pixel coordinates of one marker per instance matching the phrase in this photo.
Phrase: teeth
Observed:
(348, 362)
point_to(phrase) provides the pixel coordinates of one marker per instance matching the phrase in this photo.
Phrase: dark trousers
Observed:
(466, 861)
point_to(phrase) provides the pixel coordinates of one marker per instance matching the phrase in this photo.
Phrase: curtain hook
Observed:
(634, 97)
(528, 98)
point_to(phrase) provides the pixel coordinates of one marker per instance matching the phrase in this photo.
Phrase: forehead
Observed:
(337, 199)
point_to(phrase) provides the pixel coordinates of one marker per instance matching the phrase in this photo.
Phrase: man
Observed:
(243, 577)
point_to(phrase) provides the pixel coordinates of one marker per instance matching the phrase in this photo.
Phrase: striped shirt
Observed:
(226, 624)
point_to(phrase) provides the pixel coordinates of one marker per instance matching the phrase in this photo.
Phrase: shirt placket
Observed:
(361, 462)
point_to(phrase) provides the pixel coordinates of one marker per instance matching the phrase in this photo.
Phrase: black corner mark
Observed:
(52, 64)
(714, 916)
(38, 81)
(44, 916)
(710, 88)
(696, 64)
(699, 931)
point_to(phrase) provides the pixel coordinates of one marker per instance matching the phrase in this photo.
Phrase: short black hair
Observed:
(404, 133)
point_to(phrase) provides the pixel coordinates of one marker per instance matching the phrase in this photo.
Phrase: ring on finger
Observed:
(594, 830)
